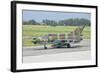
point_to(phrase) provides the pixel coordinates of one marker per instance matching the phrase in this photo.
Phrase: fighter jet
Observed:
(73, 37)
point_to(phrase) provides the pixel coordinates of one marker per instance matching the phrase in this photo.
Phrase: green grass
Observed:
(37, 30)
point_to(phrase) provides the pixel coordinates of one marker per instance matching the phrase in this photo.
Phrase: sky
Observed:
(51, 15)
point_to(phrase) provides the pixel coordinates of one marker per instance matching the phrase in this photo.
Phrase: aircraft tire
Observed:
(45, 47)
(68, 45)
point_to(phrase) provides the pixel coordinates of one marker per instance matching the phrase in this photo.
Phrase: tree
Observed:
(50, 22)
(66, 22)
(32, 22)
(74, 22)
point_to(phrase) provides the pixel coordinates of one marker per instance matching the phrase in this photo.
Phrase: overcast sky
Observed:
(51, 15)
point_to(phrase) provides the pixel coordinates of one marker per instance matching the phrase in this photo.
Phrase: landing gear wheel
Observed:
(45, 47)
(68, 45)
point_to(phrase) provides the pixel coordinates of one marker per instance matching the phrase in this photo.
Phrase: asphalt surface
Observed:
(78, 51)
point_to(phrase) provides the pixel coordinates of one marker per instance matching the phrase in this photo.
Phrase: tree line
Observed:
(66, 22)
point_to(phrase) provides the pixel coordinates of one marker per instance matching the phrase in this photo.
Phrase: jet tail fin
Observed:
(81, 28)
(76, 34)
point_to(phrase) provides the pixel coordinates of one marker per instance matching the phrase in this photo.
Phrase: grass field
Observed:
(37, 30)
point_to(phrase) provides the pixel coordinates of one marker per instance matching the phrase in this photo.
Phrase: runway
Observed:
(79, 51)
